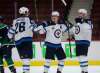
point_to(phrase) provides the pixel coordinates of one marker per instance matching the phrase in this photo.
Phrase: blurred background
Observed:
(41, 9)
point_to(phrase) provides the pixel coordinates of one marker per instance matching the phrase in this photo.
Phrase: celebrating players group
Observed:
(20, 35)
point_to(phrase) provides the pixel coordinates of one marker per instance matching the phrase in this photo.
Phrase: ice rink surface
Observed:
(67, 69)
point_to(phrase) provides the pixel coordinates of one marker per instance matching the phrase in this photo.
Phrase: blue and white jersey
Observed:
(83, 31)
(53, 31)
(22, 29)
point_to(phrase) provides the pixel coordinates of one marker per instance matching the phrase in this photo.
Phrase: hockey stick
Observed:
(68, 25)
(36, 10)
(64, 2)
(69, 40)
(7, 45)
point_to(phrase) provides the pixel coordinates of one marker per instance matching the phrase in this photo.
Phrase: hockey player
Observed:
(5, 48)
(83, 33)
(53, 30)
(22, 30)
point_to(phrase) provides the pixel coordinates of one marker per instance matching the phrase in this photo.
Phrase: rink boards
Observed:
(39, 53)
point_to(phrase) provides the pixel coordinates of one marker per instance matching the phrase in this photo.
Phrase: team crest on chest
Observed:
(77, 30)
(57, 33)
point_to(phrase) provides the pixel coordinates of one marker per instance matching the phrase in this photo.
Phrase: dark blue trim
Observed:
(82, 42)
(26, 65)
(13, 29)
(53, 45)
(83, 62)
(25, 39)
(46, 66)
(26, 69)
(83, 65)
(60, 65)
(11, 32)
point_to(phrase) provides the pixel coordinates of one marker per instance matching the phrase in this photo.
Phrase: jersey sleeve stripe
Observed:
(12, 29)
(11, 32)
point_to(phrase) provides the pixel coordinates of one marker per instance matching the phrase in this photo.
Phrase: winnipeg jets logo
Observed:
(57, 33)
(77, 29)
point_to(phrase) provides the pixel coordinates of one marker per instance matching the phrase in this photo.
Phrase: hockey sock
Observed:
(10, 64)
(47, 65)
(83, 63)
(1, 65)
(26, 65)
(1, 69)
(12, 68)
(60, 65)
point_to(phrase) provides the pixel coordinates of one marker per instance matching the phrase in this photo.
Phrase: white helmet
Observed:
(55, 13)
(23, 10)
(84, 11)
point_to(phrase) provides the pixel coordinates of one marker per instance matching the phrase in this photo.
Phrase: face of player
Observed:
(82, 15)
(55, 19)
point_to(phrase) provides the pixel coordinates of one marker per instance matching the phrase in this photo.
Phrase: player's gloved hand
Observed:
(40, 29)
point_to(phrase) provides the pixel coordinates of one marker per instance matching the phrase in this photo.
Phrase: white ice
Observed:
(67, 69)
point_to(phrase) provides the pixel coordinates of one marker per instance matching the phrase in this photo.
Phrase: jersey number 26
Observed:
(20, 27)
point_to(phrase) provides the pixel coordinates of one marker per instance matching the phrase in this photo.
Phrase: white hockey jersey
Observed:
(22, 28)
(83, 31)
(53, 31)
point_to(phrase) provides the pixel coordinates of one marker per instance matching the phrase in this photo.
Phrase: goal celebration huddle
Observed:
(20, 35)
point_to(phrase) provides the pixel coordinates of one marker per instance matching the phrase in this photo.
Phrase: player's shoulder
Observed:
(89, 21)
(61, 21)
(30, 20)
(22, 18)
(78, 20)
(16, 19)
(47, 23)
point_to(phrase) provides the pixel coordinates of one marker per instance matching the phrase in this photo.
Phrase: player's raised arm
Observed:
(41, 28)
(12, 30)
(33, 25)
